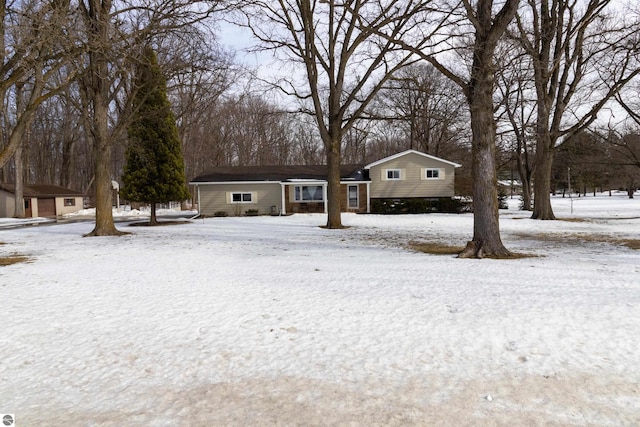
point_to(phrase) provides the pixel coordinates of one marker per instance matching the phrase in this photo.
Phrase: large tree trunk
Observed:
(334, 219)
(486, 229)
(525, 178)
(98, 15)
(19, 190)
(104, 196)
(153, 220)
(542, 180)
(102, 155)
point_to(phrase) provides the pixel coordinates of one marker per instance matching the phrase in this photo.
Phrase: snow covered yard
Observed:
(276, 321)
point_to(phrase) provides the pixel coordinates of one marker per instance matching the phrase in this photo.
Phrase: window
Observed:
(352, 193)
(70, 202)
(432, 173)
(241, 197)
(393, 174)
(308, 193)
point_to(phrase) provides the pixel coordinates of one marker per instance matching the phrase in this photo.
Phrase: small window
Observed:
(393, 174)
(27, 204)
(241, 197)
(432, 173)
(308, 193)
(70, 202)
(352, 192)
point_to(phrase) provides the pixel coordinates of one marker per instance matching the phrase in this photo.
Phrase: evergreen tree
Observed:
(154, 169)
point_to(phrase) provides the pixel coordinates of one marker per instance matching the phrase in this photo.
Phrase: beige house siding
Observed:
(8, 209)
(217, 198)
(7, 204)
(412, 182)
(62, 209)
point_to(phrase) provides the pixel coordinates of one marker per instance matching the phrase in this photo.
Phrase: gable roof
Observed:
(41, 190)
(277, 173)
(404, 153)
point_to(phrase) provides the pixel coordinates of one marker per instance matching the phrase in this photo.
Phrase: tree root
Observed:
(477, 250)
(115, 232)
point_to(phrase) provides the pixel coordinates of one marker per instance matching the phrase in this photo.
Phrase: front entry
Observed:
(28, 213)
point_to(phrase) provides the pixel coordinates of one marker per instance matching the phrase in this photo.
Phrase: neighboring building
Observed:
(40, 200)
(280, 190)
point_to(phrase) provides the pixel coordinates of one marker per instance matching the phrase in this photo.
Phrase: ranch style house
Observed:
(283, 190)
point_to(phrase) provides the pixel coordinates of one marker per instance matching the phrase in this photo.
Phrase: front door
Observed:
(27, 208)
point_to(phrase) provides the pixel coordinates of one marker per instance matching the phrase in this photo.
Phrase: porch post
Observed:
(283, 199)
(324, 197)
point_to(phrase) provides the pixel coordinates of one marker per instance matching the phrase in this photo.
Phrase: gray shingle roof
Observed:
(277, 173)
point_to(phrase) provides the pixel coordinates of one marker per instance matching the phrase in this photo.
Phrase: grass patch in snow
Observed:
(578, 238)
(574, 219)
(439, 248)
(12, 259)
(435, 248)
(630, 243)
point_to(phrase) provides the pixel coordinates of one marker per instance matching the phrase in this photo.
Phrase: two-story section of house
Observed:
(411, 174)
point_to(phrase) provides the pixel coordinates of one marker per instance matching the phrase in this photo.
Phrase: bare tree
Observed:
(626, 159)
(517, 114)
(488, 24)
(200, 76)
(34, 48)
(345, 60)
(307, 148)
(427, 106)
(112, 32)
(581, 58)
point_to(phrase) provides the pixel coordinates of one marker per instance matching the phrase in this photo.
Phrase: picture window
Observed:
(308, 193)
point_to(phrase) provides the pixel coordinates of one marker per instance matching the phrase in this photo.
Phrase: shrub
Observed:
(418, 206)
(251, 212)
(220, 214)
(502, 199)
(522, 207)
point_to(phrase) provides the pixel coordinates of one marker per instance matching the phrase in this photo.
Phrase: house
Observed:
(40, 200)
(279, 190)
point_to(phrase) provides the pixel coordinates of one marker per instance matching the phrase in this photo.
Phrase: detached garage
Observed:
(40, 200)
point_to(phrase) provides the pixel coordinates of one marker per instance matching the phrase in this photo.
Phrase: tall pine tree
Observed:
(154, 169)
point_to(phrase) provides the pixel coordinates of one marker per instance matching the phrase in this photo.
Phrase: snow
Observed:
(277, 321)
